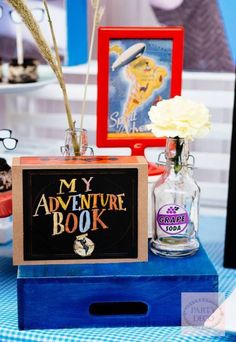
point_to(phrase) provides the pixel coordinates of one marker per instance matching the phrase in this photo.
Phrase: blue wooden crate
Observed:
(109, 295)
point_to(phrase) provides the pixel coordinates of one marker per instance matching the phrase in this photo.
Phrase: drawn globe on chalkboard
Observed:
(83, 246)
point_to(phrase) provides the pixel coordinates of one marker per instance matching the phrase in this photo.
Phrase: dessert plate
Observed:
(46, 76)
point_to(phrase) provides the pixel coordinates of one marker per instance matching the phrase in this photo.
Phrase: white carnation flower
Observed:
(179, 117)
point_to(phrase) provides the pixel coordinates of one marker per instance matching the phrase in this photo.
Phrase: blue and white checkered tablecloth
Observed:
(212, 236)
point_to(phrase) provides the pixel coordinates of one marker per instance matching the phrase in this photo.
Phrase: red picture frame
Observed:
(168, 42)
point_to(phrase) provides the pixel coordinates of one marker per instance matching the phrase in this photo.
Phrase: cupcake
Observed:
(5, 176)
(23, 73)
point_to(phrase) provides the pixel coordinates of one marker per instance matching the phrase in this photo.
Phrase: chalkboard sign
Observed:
(80, 209)
(230, 237)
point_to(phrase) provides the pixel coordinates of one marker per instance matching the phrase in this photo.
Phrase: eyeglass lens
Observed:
(38, 14)
(9, 143)
(5, 133)
(1, 12)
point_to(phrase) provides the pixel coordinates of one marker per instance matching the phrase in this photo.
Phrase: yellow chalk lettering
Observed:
(63, 204)
(120, 201)
(70, 185)
(85, 201)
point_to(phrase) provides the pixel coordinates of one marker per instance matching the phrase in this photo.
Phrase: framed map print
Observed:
(137, 67)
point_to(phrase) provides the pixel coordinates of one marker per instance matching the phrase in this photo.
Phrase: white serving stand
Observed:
(14, 97)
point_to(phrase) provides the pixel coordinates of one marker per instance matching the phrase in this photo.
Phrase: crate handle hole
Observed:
(118, 308)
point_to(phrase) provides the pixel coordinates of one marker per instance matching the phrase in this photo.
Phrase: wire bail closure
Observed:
(162, 161)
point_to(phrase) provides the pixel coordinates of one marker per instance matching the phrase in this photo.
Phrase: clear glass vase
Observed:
(176, 203)
(76, 143)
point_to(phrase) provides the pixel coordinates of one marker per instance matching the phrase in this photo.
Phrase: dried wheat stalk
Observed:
(63, 87)
(21, 7)
(98, 13)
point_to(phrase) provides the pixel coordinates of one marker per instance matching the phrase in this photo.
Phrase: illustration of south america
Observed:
(143, 74)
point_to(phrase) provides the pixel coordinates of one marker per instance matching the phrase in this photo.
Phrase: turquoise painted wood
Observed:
(76, 20)
(109, 295)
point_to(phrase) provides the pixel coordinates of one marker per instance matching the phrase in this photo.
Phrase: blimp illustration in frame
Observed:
(129, 55)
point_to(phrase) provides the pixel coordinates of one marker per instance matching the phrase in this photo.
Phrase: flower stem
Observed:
(177, 158)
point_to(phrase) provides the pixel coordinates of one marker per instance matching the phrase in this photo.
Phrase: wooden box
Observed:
(79, 209)
(111, 295)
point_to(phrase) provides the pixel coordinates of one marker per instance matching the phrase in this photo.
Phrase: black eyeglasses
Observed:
(5, 133)
(8, 142)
